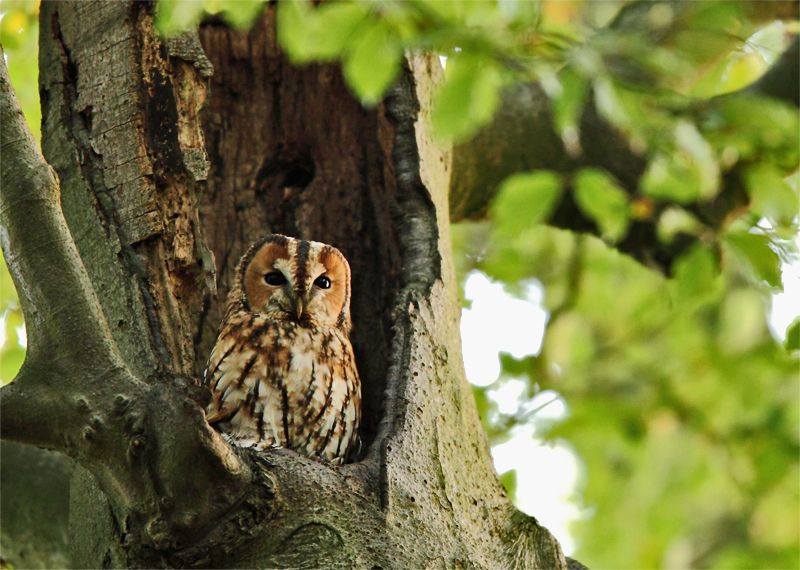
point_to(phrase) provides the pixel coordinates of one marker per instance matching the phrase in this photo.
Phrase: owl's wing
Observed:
(222, 415)
(217, 411)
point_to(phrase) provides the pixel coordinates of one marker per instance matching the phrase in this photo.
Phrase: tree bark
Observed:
(171, 156)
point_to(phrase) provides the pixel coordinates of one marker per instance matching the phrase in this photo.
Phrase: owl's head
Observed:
(290, 279)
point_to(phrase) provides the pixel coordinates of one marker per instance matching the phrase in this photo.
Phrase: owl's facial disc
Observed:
(302, 281)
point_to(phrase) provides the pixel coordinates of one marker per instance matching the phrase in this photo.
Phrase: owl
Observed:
(282, 371)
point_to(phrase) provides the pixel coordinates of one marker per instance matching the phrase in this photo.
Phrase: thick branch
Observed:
(74, 392)
(522, 137)
(57, 297)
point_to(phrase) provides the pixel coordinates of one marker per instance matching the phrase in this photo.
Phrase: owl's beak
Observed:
(299, 307)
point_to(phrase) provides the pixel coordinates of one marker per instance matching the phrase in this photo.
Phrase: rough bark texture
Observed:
(173, 154)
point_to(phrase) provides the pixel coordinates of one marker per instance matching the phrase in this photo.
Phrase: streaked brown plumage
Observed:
(282, 372)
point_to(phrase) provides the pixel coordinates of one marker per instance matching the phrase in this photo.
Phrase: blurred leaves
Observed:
(509, 482)
(12, 339)
(19, 37)
(525, 199)
(603, 200)
(319, 34)
(682, 405)
(793, 336)
(754, 254)
(373, 62)
(771, 195)
(176, 16)
(468, 97)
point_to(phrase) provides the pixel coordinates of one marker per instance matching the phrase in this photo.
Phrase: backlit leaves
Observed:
(468, 98)
(602, 199)
(526, 199)
(755, 255)
(372, 64)
(318, 34)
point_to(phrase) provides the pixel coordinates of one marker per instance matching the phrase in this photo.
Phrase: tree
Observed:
(116, 281)
(166, 158)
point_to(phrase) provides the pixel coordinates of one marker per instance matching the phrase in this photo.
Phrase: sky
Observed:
(547, 474)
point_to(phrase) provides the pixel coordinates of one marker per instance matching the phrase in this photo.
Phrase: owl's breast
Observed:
(279, 383)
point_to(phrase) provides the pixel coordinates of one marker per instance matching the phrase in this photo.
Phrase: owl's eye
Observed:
(274, 278)
(322, 282)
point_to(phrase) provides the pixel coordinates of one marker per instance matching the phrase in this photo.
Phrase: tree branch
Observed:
(74, 392)
(57, 298)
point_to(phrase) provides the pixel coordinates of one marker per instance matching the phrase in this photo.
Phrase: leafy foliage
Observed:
(19, 37)
(682, 404)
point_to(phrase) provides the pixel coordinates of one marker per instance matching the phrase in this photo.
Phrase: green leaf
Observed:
(601, 198)
(697, 277)
(688, 173)
(318, 34)
(524, 200)
(676, 220)
(752, 127)
(568, 103)
(240, 13)
(468, 97)
(793, 336)
(753, 251)
(622, 107)
(509, 482)
(770, 194)
(666, 178)
(373, 62)
(741, 325)
(174, 16)
(699, 157)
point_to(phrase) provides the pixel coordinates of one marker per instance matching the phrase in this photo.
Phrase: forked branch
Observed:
(69, 341)
(75, 393)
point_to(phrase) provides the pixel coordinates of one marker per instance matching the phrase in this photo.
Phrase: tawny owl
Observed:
(282, 372)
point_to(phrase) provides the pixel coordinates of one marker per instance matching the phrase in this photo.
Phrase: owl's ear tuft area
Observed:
(278, 239)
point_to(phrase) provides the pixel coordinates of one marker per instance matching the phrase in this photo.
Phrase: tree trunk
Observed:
(172, 157)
